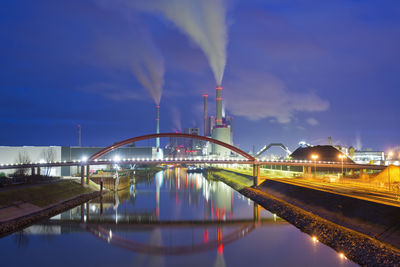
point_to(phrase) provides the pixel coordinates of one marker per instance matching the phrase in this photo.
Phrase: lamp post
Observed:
(315, 157)
(390, 155)
(341, 156)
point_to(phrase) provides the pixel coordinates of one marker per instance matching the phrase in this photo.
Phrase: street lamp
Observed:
(315, 157)
(341, 156)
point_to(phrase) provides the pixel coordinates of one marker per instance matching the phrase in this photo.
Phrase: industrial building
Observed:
(369, 157)
(218, 127)
(181, 147)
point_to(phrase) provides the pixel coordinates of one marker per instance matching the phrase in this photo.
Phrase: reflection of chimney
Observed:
(219, 106)
(158, 127)
(79, 135)
(205, 116)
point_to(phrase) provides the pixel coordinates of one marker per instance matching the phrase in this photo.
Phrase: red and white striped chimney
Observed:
(206, 130)
(219, 106)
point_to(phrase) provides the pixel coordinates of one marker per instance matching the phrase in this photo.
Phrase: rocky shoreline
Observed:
(358, 247)
(17, 224)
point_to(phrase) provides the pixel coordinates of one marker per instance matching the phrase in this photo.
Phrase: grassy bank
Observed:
(148, 170)
(236, 181)
(42, 195)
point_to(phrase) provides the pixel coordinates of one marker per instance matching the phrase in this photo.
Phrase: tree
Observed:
(48, 155)
(23, 158)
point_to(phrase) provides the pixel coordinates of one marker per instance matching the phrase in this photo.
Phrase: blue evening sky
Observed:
(295, 70)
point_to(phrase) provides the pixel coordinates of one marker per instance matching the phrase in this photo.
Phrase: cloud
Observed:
(256, 95)
(312, 121)
(112, 91)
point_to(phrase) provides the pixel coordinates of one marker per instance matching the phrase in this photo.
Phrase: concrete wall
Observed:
(370, 218)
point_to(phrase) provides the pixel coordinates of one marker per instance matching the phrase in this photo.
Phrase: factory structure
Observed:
(218, 127)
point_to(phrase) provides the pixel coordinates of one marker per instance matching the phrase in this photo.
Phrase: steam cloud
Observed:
(176, 119)
(358, 144)
(137, 47)
(202, 20)
(264, 96)
(148, 64)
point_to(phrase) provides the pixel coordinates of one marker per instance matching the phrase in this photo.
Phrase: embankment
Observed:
(24, 206)
(379, 221)
(356, 246)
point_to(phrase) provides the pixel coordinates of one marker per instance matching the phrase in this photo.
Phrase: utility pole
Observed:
(79, 136)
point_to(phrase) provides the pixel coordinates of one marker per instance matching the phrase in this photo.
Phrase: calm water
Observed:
(171, 219)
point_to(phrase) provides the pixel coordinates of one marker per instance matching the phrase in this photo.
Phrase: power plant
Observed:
(221, 129)
(158, 127)
(218, 127)
(206, 127)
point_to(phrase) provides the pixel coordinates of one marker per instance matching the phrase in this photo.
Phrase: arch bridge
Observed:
(96, 159)
(266, 147)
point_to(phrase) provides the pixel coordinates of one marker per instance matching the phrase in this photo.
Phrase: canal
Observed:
(171, 219)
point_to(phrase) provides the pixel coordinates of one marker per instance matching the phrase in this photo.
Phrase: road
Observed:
(350, 190)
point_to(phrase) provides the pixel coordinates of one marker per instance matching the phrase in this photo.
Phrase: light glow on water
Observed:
(167, 220)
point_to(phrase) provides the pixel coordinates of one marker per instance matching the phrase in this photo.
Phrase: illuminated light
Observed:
(219, 87)
(206, 236)
(220, 249)
(314, 239)
(219, 98)
(42, 161)
(205, 95)
(342, 256)
(84, 159)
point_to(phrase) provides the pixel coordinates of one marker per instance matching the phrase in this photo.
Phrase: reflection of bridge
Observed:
(107, 229)
(244, 158)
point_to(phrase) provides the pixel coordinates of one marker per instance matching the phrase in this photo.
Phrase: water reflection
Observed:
(212, 217)
(165, 219)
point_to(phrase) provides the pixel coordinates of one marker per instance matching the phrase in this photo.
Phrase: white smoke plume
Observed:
(148, 64)
(137, 46)
(358, 144)
(176, 119)
(204, 21)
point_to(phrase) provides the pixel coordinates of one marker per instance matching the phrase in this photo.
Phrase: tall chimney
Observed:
(79, 135)
(158, 127)
(205, 116)
(219, 106)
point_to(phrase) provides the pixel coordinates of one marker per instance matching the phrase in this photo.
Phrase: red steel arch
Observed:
(183, 135)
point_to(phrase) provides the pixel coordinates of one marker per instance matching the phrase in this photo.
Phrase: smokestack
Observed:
(219, 106)
(158, 127)
(205, 115)
(79, 135)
